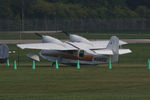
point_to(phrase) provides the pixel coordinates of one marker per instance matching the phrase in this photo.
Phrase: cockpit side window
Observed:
(81, 54)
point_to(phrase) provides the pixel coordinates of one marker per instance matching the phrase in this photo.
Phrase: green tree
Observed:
(143, 11)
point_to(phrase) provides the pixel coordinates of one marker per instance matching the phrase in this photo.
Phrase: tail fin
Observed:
(114, 46)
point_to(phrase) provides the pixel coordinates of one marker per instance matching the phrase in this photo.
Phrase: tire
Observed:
(53, 64)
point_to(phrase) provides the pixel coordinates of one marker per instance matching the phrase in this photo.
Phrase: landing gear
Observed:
(53, 64)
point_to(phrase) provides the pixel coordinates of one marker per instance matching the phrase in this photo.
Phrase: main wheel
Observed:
(53, 64)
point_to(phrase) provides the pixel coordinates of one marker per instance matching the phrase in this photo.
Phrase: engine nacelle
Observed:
(76, 38)
(49, 39)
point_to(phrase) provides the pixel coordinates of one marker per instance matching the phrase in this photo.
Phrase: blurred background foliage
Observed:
(74, 9)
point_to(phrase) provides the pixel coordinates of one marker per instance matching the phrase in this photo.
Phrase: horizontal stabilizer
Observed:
(122, 42)
(110, 52)
(124, 51)
(104, 52)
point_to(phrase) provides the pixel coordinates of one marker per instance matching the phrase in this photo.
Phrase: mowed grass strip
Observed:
(62, 36)
(140, 54)
(90, 82)
(128, 80)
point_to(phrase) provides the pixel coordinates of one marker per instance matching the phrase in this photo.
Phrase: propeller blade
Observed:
(65, 33)
(37, 34)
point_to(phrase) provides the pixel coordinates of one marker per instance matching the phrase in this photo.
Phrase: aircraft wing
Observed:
(104, 52)
(70, 46)
(110, 52)
(94, 44)
(47, 46)
(104, 43)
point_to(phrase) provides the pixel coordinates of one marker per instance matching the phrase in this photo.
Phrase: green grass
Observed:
(121, 36)
(128, 80)
(90, 82)
(140, 54)
(15, 36)
(117, 32)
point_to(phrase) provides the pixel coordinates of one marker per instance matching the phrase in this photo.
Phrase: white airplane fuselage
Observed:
(78, 48)
(70, 57)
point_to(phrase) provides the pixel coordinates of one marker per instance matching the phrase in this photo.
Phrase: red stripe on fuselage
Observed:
(69, 56)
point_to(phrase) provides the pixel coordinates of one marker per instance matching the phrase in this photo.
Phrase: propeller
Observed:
(37, 34)
(66, 33)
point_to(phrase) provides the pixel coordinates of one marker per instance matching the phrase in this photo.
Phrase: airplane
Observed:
(4, 53)
(78, 48)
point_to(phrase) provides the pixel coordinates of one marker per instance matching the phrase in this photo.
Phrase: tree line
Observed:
(74, 9)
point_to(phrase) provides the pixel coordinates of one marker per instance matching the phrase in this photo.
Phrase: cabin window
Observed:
(70, 52)
(81, 54)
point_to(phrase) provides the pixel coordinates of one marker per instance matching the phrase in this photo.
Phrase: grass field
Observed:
(128, 80)
(139, 56)
(88, 83)
(87, 35)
